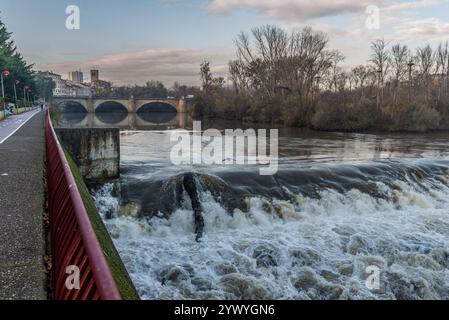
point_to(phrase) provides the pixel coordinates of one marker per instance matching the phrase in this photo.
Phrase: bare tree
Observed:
(380, 58)
(263, 60)
(399, 60)
(442, 66)
(425, 61)
(277, 61)
(335, 71)
(237, 76)
(206, 76)
(360, 75)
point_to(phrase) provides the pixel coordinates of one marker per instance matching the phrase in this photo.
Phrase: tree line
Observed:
(17, 72)
(296, 79)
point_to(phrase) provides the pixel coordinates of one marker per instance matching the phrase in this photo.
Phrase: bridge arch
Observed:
(110, 106)
(157, 107)
(72, 106)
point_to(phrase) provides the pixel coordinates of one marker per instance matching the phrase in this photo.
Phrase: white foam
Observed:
(316, 248)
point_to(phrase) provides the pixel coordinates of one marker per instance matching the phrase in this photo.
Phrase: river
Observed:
(347, 216)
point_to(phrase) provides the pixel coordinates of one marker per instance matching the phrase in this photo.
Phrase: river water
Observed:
(347, 216)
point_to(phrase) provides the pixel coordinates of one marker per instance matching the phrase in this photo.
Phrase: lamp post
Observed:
(6, 73)
(410, 66)
(16, 82)
(24, 96)
(30, 96)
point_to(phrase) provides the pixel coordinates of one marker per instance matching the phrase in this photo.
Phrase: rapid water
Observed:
(339, 205)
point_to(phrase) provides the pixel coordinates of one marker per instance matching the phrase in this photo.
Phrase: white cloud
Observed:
(411, 5)
(426, 29)
(287, 10)
(165, 64)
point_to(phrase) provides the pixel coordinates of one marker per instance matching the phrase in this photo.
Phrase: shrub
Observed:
(420, 118)
(349, 117)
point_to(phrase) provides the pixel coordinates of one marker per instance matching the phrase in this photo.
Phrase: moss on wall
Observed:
(55, 116)
(121, 276)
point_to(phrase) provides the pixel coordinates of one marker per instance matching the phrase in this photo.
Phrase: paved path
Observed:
(12, 123)
(22, 244)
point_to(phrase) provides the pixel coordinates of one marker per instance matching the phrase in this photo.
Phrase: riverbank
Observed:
(333, 119)
(350, 111)
(226, 123)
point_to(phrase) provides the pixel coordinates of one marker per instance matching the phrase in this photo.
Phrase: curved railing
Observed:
(75, 247)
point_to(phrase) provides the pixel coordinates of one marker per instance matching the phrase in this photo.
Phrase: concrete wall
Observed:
(95, 151)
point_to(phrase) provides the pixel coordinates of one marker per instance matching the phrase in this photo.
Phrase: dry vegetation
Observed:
(296, 80)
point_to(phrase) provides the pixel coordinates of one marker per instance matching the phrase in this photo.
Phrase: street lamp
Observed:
(410, 66)
(28, 97)
(24, 95)
(4, 73)
(16, 82)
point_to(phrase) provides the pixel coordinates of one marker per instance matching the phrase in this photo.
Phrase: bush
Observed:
(417, 117)
(231, 105)
(265, 109)
(294, 114)
(349, 117)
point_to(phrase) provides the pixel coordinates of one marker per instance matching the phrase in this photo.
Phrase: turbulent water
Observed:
(340, 205)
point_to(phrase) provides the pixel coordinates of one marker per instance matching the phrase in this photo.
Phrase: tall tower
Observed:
(94, 76)
(76, 76)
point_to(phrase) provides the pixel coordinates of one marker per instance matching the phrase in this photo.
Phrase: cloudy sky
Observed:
(132, 41)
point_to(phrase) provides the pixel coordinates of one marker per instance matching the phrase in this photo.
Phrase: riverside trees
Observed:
(20, 72)
(271, 68)
(296, 79)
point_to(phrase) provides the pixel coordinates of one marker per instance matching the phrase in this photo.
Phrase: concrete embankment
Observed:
(95, 151)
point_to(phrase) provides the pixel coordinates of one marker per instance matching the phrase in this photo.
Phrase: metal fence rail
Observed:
(74, 244)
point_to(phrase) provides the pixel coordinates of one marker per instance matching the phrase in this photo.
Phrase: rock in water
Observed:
(164, 197)
(191, 189)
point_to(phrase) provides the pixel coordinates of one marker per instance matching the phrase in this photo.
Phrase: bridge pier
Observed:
(90, 105)
(131, 105)
(182, 105)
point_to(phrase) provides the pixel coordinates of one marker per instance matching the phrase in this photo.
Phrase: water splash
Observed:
(306, 247)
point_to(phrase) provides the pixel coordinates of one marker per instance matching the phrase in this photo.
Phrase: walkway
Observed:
(22, 244)
(13, 123)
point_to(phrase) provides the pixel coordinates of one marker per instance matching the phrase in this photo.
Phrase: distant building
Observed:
(98, 85)
(60, 87)
(76, 76)
(75, 89)
(101, 84)
(94, 76)
(68, 88)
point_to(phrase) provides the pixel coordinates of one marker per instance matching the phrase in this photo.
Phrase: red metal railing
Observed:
(73, 240)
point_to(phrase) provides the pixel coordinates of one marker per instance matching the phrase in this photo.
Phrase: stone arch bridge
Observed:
(131, 105)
